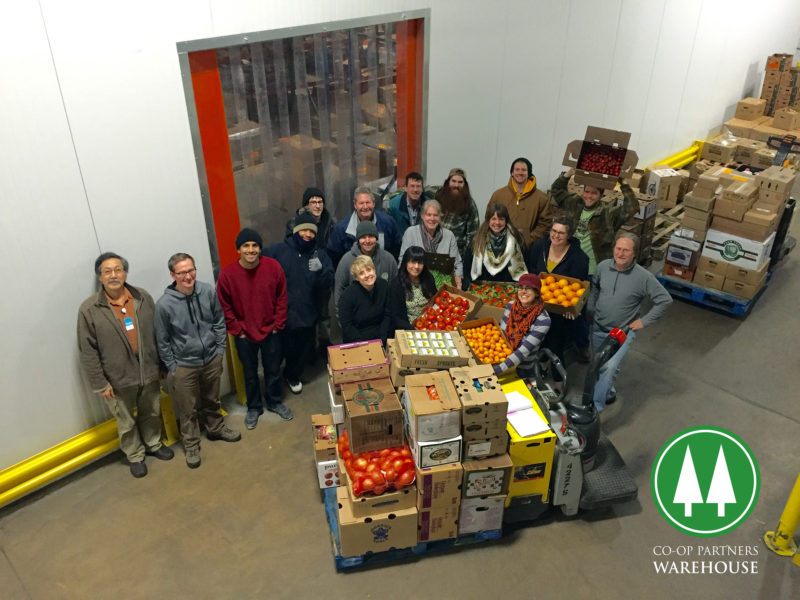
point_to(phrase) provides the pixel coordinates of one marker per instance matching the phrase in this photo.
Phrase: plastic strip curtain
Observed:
(313, 110)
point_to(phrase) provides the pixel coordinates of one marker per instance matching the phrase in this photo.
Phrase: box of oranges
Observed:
(486, 339)
(562, 294)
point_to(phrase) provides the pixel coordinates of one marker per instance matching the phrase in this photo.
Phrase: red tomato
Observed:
(346, 455)
(390, 475)
(385, 452)
(357, 488)
(367, 484)
(405, 452)
(360, 463)
(404, 479)
(408, 465)
(379, 488)
(397, 465)
(373, 467)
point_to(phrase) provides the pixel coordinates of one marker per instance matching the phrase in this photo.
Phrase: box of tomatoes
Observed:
(601, 157)
(447, 309)
(486, 339)
(563, 294)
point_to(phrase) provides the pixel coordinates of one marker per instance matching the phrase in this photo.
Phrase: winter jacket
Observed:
(531, 214)
(398, 209)
(303, 286)
(324, 227)
(605, 221)
(398, 313)
(448, 245)
(344, 234)
(574, 264)
(106, 355)
(190, 330)
(385, 267)
(363, 314)
(253, 300)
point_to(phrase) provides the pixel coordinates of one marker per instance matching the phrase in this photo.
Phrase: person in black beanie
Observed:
(309, 273)
(314, 205)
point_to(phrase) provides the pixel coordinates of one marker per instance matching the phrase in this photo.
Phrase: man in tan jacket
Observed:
(117, 344)
(528, 206)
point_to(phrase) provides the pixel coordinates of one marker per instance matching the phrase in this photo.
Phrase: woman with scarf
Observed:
(525, 323)
(309, 274)
(410, 291)
(496, 249)
(433, 238)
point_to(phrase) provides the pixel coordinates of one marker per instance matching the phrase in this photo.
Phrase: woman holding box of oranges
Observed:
(525, 324)
(559, 254)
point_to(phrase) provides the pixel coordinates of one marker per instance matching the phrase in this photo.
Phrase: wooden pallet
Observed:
(666, 223)
(717, 299)
(393, 555)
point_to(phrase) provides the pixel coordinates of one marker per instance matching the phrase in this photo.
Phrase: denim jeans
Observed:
(608, 372)
(270, 348)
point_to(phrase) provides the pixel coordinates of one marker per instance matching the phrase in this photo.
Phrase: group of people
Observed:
(274, 300)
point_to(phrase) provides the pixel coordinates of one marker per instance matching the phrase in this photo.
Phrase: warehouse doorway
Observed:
(331, 106)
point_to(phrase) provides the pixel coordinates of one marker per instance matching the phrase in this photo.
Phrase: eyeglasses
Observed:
(185, 273)
(319, 202)
(559, 233)
(524, 288)
(112, 271)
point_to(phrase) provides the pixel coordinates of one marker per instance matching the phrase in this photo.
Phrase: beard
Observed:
(454, 200)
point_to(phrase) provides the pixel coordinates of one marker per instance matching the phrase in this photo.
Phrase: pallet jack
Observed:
(588, 471)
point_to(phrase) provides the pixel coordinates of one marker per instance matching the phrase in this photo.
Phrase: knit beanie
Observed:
(366, 228)
(303, 222)
(310, 193)
(248, 235)
(530, 280)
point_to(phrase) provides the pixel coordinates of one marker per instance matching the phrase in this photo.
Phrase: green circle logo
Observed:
(705, 481)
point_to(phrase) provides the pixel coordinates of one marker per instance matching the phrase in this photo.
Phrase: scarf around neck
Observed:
(521, 319)
(430, 244)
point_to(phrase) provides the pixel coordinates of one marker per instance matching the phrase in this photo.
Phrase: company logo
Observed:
(705, 481)
(731, 249)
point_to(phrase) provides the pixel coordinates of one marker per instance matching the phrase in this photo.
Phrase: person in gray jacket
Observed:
(191, 335)
(117, 345)
(366, 244)
(619, 288)
(434, 238)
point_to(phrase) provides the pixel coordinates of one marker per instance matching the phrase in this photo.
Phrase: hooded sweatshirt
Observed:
(529, 211)
(385, 268)
(190, 330)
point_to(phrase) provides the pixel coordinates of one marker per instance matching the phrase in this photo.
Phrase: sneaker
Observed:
(251, 419)
(163, 453)
(612, 397)
(296, 386)
(281, 410)
(138, 469)
(226, 434)
(193, 457)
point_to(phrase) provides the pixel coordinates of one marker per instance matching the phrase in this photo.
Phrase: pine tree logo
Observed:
(705, 481)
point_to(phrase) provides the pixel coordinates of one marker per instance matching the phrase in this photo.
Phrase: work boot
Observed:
(138, 469)
(193, 457)
(281, 410)
(226, 434)
(163, 453)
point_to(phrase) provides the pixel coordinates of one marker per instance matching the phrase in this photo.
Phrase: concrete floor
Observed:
(250, 522)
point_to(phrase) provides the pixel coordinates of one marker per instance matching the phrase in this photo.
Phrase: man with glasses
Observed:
(190, 330)
(118, 355)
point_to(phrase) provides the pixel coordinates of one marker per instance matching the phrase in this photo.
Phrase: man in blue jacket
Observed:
(190, 331)
(344, 234)
(404, 205)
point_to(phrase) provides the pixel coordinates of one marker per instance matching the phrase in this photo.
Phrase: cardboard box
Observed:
(328, 473)
(375, 533)
(324, 435)
(790, 77)
(358, 361)
(398, 373)
(721, 148)
(777, 181)
(698, 215)
(575, 309)
(487, 476)
(741, 128)
(683, 252)
(678, 271)
(373, 415)
(763, 158)
(748, 231)
(648, 207)
(440, 452)
(737, 250)
(779, 62)
(664, 185)
(431, 349)
(746, 149)
(481, 397)
(706, 205)
(609, 142)
(336, 401)
(742, 290)
(763, 217)
(750, 108)
(698, 235)
(772, 79)
(432, 407)
(368, 503)
(483, 430)
(439, 487)
(438, 524)
(713, 265)
(472, 324)
(708, 279)
(490, 446)
(481, 514)
(786, 118)
(532, 456)
(741, 190)
(764, 132)
(475, 301)
(750, 276)
(730, 209)
(696, 224)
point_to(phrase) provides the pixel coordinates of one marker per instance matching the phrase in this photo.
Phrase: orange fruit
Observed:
(563, 283)
(575, 286)
(574, 300)
(549, 280)
(566, 303)
(579, 292)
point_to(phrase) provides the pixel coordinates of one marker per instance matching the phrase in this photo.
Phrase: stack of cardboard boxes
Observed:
(781, 83)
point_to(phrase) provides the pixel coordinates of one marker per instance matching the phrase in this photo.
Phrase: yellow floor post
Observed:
(235, 369)
(781, 540)
(168, 417)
